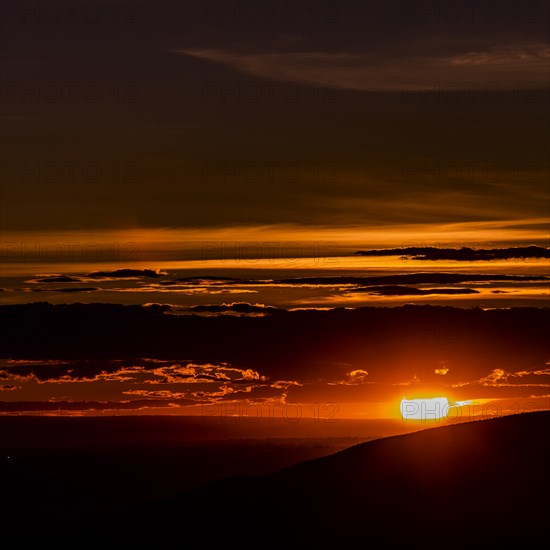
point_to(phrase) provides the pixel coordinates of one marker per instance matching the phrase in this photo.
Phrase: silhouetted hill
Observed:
(479, 484)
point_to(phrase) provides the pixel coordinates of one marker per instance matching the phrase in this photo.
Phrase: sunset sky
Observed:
(206, 115)
(233, 155)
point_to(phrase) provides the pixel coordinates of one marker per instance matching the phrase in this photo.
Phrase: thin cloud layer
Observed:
(500, 65)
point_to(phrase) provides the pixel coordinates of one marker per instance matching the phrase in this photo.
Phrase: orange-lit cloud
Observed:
(354, 377)
(499, 377)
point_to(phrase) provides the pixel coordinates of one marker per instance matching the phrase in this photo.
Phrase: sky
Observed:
(260, 362)
(216, 167)
(309, 115)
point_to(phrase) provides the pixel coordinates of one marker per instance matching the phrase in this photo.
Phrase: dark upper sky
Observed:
(197, 114)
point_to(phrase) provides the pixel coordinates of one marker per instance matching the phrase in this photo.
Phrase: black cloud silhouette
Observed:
(57, 279)
(411, 278)
(397, 290)
(124, 274)
(464, 254)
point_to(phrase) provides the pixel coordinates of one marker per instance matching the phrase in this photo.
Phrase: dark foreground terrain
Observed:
(55, 469)
(480, 484)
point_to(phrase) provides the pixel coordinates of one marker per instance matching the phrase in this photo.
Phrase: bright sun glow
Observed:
(425, 409)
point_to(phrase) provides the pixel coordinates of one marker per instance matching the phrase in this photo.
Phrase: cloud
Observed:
(366, 71)
(500, 378)
(284, 384)
(207, 280)
(464, 254)
(397, 290)
(193, 373)
(68, 371)
(149, 371)
(248, 393)
(352, 378)
(154, 394)
(68, 289)
(410, 278)
(175, 381)
(186, 289)
(125, 274)
(442, 371)
(357, 376)
(235, 307)
(56, 279)
(223, 391)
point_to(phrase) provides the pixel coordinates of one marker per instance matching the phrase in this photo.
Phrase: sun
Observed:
(424, 409)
